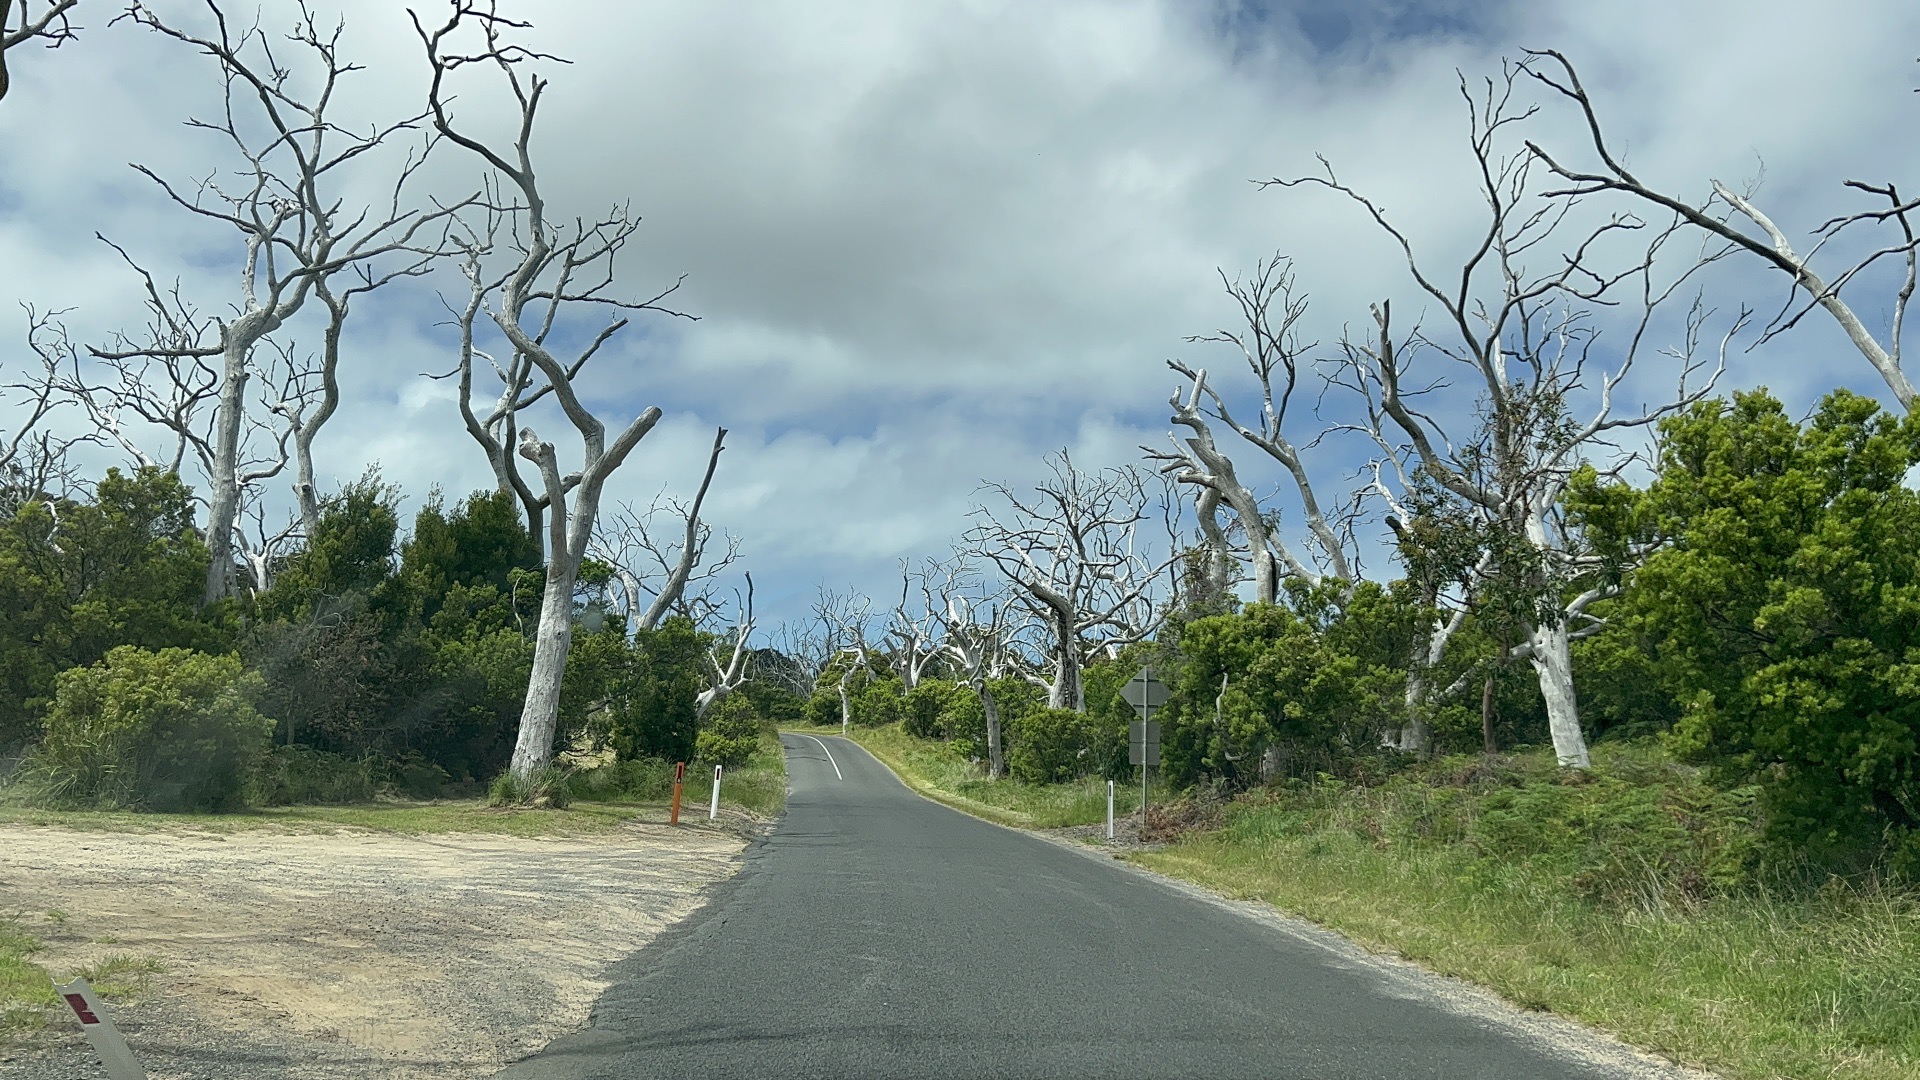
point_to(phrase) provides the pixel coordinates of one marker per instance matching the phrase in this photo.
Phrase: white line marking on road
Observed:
(830, 761)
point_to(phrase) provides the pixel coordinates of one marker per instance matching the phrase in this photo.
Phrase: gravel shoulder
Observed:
(315, 956)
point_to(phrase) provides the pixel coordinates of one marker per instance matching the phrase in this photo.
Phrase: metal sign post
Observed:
(1144, 693)
(100, 1032)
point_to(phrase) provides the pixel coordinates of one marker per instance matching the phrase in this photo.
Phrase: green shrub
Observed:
(630, 780)
(731, 734)
(167, 730)
(1054, 745)
(927, 707)
(823, 708)
(879, 703)
(301, 775)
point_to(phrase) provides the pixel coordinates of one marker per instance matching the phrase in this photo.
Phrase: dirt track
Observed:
(350, 954)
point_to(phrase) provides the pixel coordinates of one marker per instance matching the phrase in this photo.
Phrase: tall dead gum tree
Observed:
(22, 21)
(1771, 245)
(1524, 342)
(1070, 553)
(550, 266)
(297, 235)
(1275, 357)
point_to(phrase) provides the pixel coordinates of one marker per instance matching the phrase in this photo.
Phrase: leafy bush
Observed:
(823, 708)
(294, 775)
(880, 702)
(167, 730)
(655, 713)
(927, 707)
(731, 735)
(1054, 745)
(630, 780)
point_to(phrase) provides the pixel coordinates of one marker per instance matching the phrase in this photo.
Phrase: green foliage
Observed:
(879, 702)
(823, 708)
(349, 557)
(776, 704)
(167, 730)
(966, 718)
(1785, 612)
(731, 733)
(1051, 746)
(76, 580)
(927, 707)
(1312, 683)
(301, 775)
(654, 712)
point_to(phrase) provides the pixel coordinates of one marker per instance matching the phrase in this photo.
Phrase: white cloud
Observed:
(930, 242)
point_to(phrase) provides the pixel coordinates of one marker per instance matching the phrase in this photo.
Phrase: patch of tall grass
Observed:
(1635, 897)
(25, 990)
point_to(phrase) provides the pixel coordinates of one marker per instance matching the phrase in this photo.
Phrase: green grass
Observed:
(25, 989)
(1629, 898)
(639, 794)
(1600, 915)
(934, 769)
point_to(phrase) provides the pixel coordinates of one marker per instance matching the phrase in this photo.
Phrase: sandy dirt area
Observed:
(347, 954)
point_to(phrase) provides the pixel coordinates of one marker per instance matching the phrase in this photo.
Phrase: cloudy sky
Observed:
(928, 243)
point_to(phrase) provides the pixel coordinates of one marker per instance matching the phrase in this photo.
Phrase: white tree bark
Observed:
(1772, 246)
(1071, 554)
(1524, 344)
(295, 229)
(523, 304)
(50, 25)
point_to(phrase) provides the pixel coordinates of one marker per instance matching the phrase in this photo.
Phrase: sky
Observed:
(929, 243)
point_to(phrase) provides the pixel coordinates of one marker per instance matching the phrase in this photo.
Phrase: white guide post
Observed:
(1109, 809)
(713, 808)
(101, 1034)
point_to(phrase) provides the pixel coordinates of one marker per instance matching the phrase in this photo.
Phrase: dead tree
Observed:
(1524, 340)
(625, 541)
(551, 269)
(1070, 551)
(1809, 288)
(725, 676)
(1274, 354)
(295, 227)
(911, 629)
(845, 618)
(34, 464)
(51, 26)
(978, 650)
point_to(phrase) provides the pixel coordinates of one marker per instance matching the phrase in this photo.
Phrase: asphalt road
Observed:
(876, 934)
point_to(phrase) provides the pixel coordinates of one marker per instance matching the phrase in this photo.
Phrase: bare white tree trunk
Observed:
(1552, 661)
(545, 260)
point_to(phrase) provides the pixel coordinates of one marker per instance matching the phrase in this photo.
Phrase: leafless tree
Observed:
(912, 628)
(625, 540)
(1268, 343)
(845, 617)
(297, 233)
(727, 657)
(34, 463)
(51, 26)
(978, 650)
(1525, 339)
(1715, 215)
(1071, 551)
(549, 267)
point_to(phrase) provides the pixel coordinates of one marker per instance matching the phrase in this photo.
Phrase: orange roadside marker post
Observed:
(679, 774)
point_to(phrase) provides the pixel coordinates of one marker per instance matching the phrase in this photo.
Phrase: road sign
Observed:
(1144, 692)
(1143, 742)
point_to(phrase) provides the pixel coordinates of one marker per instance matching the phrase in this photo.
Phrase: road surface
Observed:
(877, 934)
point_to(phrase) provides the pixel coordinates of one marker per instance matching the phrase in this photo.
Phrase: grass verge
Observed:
(606, 800)
(1626, 898)
(25, 989)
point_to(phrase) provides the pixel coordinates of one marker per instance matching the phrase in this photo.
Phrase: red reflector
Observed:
(80, 1009)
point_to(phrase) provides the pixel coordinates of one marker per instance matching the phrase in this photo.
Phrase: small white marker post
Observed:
(100, 1032)
(713, 808)
(1109, 809)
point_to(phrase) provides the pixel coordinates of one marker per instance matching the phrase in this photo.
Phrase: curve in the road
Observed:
(874, 933)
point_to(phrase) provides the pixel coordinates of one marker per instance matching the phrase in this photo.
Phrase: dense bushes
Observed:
(731, 733)
(167, 730)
